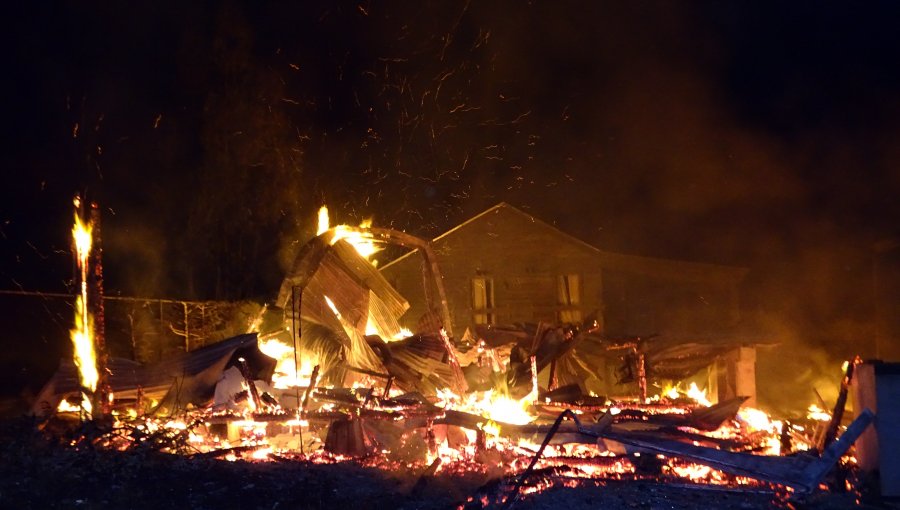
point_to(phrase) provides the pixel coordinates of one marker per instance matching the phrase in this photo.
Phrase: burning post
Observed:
(88, 331)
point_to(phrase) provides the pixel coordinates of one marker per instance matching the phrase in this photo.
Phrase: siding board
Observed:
(525, 256)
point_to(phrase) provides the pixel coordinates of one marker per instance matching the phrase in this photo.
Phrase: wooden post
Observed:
(159, 353)
(313, 379)
(96, 301)
(430, 438)
(427, 280)
(187, 329)
(837, 414)
(642, 374)
(295, 333)
(248, 378)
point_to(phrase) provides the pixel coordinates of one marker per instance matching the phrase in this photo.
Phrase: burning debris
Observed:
(328, 375)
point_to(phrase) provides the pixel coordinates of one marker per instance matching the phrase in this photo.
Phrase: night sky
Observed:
(763, 135)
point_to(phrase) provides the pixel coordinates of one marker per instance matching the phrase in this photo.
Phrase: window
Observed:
(483, 300)
(569, 298)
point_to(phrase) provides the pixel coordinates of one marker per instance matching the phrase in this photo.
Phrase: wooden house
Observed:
(505, 266)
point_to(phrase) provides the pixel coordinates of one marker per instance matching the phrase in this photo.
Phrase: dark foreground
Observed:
(41, 474)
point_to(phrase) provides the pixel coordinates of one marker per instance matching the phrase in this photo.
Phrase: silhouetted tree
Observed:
(248, 194)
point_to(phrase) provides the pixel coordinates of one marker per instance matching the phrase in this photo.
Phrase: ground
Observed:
(37, 473)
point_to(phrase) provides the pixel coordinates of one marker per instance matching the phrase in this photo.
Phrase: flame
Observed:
(459, 455)
(83, 340)
(759, 421)
(698, 395)
(81, 233)
(285, 375)
(693, 471)
(66, 407)
(492, 405)
(331, 305)
(670, 393)
(673, 392)
(816, 413)
(471, 451)
(372, 329)
(82, 334)
(323, 220)
(370, 326)
(261, 454)
(363, 242)
(756, 419)
(275, 349)
(491, 428)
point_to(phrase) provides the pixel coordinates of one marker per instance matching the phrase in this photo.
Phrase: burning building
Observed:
(330, 373)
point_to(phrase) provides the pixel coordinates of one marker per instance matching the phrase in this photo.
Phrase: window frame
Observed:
(483, 309)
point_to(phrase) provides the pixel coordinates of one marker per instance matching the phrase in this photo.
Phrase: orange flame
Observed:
(82, 334)
(363, 243)
(493, 405)
(324, 223)
(698, 395)
(286, 374)
(814, 412)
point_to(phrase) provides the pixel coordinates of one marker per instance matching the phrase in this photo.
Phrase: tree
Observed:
(248, 192)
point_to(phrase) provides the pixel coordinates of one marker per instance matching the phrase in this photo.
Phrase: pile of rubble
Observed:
(328, 375)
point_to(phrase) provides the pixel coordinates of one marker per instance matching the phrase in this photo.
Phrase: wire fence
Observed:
(137, 328)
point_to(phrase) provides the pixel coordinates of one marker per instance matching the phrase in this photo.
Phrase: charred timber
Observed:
(248, 378)
(838, 413)
(312, 383)
(102, 396)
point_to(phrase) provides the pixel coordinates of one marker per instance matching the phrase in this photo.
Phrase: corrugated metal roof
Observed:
(126, 376)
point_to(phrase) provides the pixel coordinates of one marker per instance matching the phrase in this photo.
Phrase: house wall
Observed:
(641, 305)
(525, 257)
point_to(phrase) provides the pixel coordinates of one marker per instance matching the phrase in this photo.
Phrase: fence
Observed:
(142, 329)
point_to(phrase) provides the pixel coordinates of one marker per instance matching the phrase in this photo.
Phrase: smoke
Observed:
(669, 131)
(792, 376)
(135, 258)
(791, 371)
